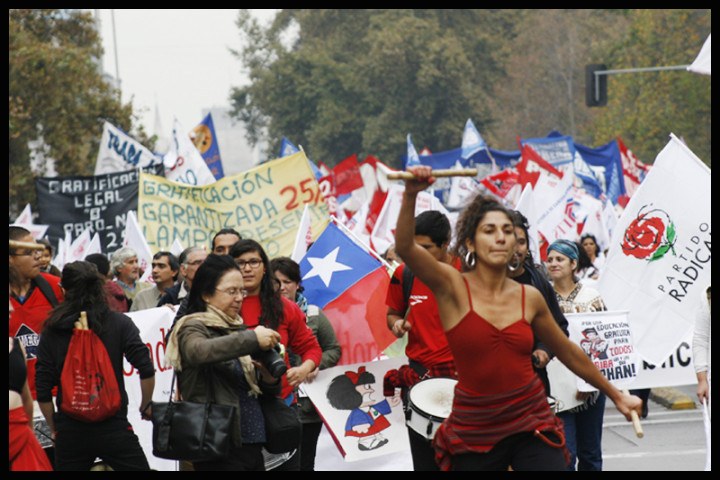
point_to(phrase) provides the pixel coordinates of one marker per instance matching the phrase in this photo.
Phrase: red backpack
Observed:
(90, 391)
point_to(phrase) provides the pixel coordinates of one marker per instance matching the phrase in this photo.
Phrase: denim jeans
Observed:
(583, 434)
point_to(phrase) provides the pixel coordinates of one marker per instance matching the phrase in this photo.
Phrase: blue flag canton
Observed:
(333, 264)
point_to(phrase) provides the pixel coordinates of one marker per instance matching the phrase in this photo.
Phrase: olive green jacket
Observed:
(202, 347)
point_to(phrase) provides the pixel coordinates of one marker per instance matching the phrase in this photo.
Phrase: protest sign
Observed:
(264, 203)
(659, 260)
(97, 203)
(364, 424)
(606, 339)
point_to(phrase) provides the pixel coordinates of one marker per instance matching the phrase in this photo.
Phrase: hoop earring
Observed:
(516, 267)
(470, 259)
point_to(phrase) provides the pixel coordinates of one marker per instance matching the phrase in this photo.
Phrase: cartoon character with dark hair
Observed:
(593, 345)
(353, 391)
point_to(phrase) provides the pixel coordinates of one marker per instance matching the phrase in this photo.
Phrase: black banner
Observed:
(98, 203)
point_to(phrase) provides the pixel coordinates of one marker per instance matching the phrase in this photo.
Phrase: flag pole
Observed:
(360, 242)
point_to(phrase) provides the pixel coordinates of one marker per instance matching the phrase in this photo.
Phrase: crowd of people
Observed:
(483, 312)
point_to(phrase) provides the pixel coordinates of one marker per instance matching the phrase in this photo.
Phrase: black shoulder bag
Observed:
(192, 431)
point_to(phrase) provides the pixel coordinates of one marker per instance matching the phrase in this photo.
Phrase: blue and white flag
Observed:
(205, 140)
(287, 148)
(413, 158)
(119, 152)
(472, 142)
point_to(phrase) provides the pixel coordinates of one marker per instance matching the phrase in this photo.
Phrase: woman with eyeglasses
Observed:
(264, 305)
(213, 343)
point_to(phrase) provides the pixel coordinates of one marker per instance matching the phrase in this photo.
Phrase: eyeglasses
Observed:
(31, 253)
(234, 292)
(254, 263)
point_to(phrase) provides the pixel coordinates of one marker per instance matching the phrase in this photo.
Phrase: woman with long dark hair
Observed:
(78, 443)
(264, 305)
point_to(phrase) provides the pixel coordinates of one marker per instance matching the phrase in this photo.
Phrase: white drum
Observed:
(429, 404)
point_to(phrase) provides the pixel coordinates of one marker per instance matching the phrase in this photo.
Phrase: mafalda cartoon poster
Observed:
(363, 421)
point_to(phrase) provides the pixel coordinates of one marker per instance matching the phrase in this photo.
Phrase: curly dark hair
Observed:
(470, 219)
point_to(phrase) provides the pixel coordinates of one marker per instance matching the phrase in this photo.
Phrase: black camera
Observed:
(273, 360)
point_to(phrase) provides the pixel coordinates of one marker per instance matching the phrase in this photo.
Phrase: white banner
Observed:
(154, 325)
(659, 261)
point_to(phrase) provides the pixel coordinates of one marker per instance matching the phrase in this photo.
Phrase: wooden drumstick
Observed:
(29, 246)
(635, 421)
(465, 172)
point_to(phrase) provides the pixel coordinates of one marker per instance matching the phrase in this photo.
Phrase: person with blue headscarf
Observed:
(582, 424)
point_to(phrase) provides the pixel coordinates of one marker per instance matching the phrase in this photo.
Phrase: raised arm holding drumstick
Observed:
(500, 415)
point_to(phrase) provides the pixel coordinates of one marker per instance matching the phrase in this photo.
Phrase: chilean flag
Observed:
(350, 286)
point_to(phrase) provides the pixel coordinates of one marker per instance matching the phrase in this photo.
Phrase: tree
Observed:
(57, 96)
(644, 108)
(545, 64)
(359, 81)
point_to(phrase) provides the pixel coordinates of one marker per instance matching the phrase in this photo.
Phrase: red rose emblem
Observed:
(649, 236)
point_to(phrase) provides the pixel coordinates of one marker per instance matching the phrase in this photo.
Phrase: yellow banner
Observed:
(264, 203)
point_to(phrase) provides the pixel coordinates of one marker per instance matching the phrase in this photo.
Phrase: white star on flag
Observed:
(325, 267)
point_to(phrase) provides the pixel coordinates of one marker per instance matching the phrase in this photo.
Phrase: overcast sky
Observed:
(175, 60)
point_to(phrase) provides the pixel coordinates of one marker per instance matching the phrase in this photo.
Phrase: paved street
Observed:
(674, 439)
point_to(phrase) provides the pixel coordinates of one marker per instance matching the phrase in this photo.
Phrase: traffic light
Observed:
(595, 86)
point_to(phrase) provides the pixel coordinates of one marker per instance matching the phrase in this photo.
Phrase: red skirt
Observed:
(478, 422)
(26, 454)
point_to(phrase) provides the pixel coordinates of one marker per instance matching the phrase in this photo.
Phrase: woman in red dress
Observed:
(500, 417)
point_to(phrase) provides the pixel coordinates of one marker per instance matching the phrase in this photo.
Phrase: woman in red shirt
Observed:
(263, 305)
(500, 414)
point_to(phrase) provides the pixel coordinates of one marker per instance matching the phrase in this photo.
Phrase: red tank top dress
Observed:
(498, 393)
(489, 360)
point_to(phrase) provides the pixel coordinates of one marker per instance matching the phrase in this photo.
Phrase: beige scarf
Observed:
(213, 318)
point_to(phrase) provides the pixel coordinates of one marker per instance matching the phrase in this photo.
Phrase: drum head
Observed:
(434, 396)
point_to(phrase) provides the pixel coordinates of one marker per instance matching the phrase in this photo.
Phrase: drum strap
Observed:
(408, 277)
